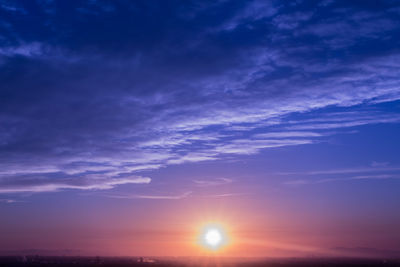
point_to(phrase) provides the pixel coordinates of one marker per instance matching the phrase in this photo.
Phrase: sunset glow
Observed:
(200, 129)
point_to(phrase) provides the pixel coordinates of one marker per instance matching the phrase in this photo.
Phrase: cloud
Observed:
(342, 175)
(153, 197)
(12, 7)
(29, 183)
(324, 126)
(286, 134)
(248, 146)
(345, 171)
(26, 50)
(379, 164)
(296, 182)
(225, 195)
(119, 99)
(359, 177)
(214, 182)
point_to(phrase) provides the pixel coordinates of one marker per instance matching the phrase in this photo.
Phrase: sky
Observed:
(127, 125)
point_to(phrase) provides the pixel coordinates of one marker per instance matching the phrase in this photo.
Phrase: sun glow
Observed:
(213, 237)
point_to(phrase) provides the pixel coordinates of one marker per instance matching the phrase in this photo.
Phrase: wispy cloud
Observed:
(297, 182)
(151, 196)
(344, 171)
(223, 195)
(379, 164)
(324, 126)
(26, 50)
(248, 146)
(51, 184)
(359, 177)
(286, 134)
(130, 103)
(213, 182)
(342, 175)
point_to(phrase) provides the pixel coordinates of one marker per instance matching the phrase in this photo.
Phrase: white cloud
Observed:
(153, 197)
(270, 93)
(286, 134)
(213, 182)
(343, 175)
(35, 184)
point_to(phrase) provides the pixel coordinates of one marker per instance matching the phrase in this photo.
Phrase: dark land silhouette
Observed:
(45, 261)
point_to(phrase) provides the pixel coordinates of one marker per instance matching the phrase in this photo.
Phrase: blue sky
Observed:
(285, 102)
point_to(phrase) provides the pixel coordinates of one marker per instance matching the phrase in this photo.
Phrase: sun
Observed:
(213, 237)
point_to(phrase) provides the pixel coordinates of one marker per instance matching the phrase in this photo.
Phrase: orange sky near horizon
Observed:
(174, 232)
